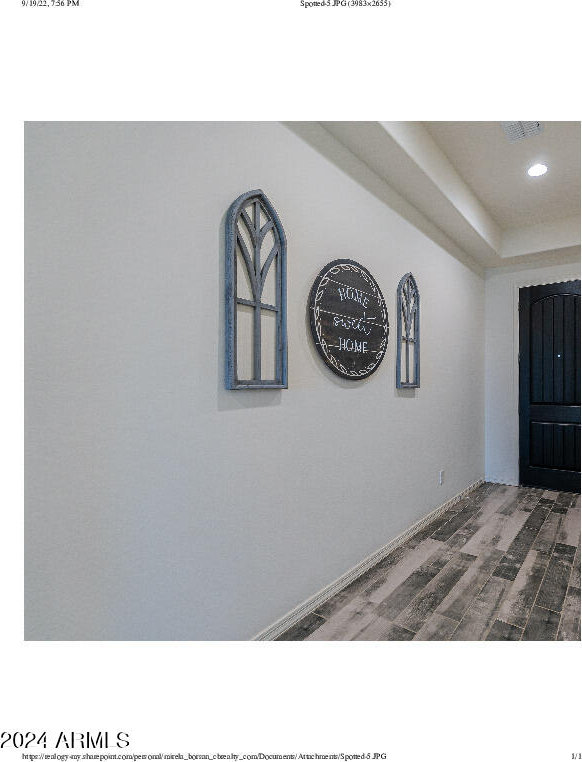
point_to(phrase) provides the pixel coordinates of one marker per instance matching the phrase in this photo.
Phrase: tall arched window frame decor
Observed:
(256, 295)
(408, 334)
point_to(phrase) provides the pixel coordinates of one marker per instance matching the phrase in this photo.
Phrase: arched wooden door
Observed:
(549, 386)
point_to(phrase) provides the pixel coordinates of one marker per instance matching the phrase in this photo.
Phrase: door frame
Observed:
(526, 283)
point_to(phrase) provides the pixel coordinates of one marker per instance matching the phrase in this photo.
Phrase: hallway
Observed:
(501, 564)
(237, 430)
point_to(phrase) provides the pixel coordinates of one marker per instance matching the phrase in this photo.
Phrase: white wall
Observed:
(159, 505)
(501, 363)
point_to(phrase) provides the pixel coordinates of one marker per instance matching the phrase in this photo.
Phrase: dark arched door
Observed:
(549, 386)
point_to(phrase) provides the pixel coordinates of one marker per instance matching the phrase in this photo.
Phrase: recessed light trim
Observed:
(536, 170)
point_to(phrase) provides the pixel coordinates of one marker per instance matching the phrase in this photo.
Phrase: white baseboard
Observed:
(506, 482)
(311, 604)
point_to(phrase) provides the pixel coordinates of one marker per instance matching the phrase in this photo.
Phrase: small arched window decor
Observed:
(408, 334)
(256, 295)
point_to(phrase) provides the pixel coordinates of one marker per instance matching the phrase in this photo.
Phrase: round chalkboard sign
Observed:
(348, 318)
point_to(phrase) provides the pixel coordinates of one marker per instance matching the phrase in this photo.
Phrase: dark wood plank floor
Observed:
(501, 564)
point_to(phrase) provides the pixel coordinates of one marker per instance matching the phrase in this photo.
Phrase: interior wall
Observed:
(158, 504)
(501, 363)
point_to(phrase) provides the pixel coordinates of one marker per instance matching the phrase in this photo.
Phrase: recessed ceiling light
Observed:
(537, 169)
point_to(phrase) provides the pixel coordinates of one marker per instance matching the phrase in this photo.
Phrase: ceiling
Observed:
(496, 169)
(465, 185)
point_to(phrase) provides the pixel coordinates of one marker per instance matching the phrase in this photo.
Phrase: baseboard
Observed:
(505, 482)
(311, 604)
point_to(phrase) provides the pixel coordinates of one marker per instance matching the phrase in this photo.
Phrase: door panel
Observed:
(549, 385)
(555, 445)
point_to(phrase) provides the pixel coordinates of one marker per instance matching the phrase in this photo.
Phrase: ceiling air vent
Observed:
(520, 130)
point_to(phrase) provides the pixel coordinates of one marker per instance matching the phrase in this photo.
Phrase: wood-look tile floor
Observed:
(501, 564)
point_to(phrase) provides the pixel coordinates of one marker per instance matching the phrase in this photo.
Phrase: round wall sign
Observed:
(348, 318)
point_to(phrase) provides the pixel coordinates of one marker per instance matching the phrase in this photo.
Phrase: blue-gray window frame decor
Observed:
(245, 212)
(407, 332)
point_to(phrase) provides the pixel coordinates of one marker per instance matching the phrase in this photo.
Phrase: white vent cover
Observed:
(520, 130)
